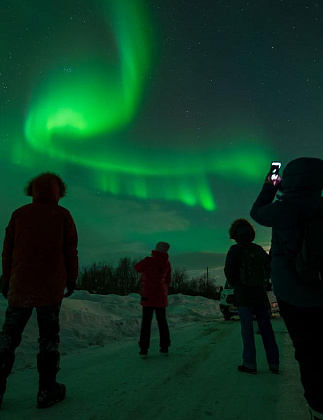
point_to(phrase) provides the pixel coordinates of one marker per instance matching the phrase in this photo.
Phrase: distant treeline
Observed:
(121, 279)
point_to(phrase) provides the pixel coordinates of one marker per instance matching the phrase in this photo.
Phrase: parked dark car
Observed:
(227, 305)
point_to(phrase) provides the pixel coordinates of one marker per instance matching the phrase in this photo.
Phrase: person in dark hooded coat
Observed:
(39, 260)
(301, 305)
(155, 279)
(251, 300)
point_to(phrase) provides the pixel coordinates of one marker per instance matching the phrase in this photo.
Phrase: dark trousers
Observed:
(11, 335)
(147, 316)
(305, 327)
(267, 334)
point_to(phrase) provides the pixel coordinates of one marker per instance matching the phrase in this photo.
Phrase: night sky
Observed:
(161, 116)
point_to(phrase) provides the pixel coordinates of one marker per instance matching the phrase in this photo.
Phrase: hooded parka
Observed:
(301, 186)
(39, 255)
(155, 279)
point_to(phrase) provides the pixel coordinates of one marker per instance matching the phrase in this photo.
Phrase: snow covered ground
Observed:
(106, 379)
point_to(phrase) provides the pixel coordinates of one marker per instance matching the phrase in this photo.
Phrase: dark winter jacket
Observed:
(302, 182)
(39, 255)
(254, 296)
(155, 279)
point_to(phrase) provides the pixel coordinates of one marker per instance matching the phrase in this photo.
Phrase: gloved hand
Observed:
(70, 289)
(5, 290)
(274, 182)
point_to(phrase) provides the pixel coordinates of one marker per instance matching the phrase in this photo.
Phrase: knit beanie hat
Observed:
(162, 247)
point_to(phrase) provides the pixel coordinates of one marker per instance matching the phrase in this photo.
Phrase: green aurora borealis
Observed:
(85, 95)
(77, 116)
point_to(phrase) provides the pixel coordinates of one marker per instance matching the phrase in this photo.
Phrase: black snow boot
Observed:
(243, 368)
(143, 353)
(49, 396)
(7, 360)
(50, 392)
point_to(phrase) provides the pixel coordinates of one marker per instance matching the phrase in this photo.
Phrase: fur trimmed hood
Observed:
(47, 187)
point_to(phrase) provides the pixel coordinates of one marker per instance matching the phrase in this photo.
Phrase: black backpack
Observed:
(308, 260)
(254, 266)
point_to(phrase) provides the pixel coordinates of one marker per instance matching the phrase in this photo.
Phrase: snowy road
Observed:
(197, 381)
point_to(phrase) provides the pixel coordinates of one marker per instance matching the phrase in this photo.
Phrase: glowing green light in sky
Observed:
(94, 96)
(191, 184)
(77, 115)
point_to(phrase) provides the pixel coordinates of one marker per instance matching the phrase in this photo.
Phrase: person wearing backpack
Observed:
(296, 219)
(247, 271)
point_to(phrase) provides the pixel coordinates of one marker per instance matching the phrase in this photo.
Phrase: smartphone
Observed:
(274, 171)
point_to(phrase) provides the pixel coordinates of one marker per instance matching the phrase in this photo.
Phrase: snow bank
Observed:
(95, 320)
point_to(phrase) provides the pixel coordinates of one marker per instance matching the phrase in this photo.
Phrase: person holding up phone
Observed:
(300, 302)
